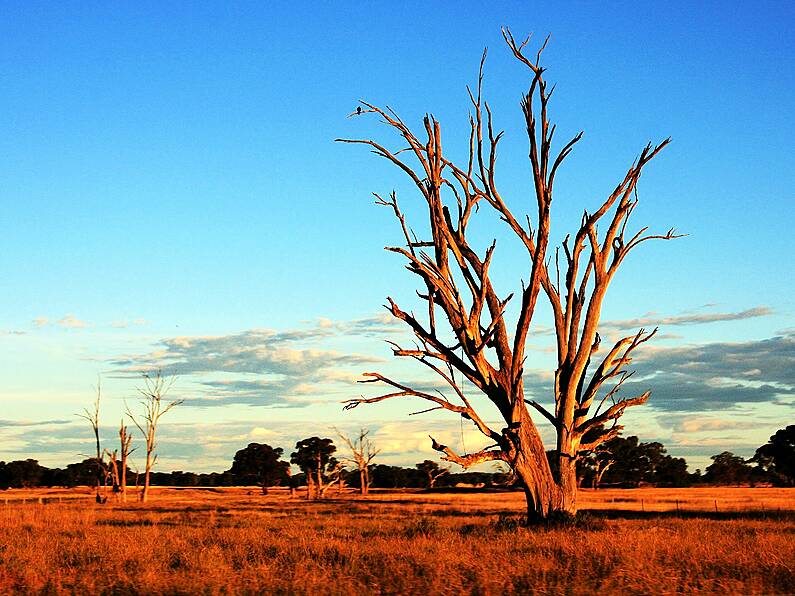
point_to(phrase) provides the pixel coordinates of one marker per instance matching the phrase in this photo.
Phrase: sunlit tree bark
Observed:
(475, 341)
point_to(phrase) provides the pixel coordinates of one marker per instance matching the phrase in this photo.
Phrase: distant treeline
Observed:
(622, 462)
(29, 474)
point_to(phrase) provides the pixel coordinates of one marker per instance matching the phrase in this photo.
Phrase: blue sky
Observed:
(169, 174)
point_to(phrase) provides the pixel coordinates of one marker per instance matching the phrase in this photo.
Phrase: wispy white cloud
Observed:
(27, 423)
(694, 423)
(653, 320)
(124, 323)
(72, 322)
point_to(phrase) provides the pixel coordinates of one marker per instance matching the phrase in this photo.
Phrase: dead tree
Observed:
(333, 477)
(483, 346)
(363, 453)
(125, 441)
(433, 471)
(601, 468)
(93, 419)
(290, 481)
(153, 392)
(113, 469)
(433, 477)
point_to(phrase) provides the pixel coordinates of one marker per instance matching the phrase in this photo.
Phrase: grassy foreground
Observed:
(230, 541)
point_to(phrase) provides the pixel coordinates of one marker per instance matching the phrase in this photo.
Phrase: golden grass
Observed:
(230, 541)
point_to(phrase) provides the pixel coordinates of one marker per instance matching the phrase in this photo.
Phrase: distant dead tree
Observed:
(503, 474)
(335, 477)
(603, 461)
(93, 419)
(433, 471)
(113, 469)
(125, 441)
(290, 481)
(485, 348)
(154, 390)
(363, 452)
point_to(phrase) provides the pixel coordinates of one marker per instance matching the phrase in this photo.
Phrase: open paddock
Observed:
(234, 540)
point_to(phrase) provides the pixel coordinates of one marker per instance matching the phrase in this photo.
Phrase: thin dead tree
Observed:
(125, 442)
(334, 477)
(483, 344)
(92, 416)
(433, 471)
(154, 407)
(601, 468)
(113, 469)
(290, 481)
(363, 452)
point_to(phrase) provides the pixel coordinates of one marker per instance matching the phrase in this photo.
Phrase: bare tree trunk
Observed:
(125, 440)
(600, 472)
(145, 492)
(290, 482)
(123, 478)
(532, 468)
(363, 481)
(113, 470)
(93, 418)
(567, 485)
(567, 469)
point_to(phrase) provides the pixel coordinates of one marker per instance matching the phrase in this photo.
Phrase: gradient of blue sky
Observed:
(170, 172)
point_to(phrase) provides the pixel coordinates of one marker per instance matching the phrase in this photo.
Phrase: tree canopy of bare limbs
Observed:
(92, 416)
(487, 348)
(154, 407)
(363, 452)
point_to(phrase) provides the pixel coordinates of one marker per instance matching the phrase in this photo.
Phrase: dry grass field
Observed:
(212, 541)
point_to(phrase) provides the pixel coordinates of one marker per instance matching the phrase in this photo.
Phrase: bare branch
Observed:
(471, 459)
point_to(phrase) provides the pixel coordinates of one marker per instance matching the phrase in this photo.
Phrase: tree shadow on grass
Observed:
(123, 523)
(755, 515)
